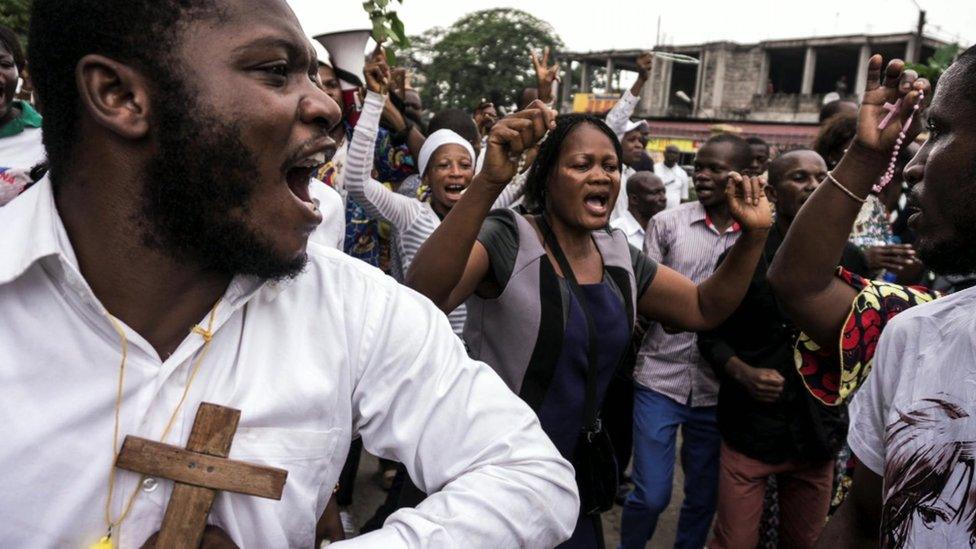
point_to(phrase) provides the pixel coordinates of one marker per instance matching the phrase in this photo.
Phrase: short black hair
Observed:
(777, 168)
(537, 180)
(741, 152)
(137, 32)
(836, 134)
(833, 107)
(968, 58)
(756, 140)
(10, 42)
(459, 122)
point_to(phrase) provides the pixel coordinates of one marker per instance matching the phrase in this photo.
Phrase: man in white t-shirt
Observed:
(675, 178)
(913, 422)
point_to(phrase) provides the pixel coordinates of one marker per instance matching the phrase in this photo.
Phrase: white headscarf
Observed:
(437, 140)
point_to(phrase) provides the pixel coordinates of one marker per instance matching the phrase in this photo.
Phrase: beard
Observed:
(198, 190)
(953, 256)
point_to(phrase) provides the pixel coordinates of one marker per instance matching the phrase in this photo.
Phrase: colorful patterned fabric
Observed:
(833, 379)
(369, 239)
(871, 227)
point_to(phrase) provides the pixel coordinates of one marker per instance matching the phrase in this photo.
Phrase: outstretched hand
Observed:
(544, 74)
(377, 72)
(898, 84)
(513, 135)
(644, 63)
(747, 202)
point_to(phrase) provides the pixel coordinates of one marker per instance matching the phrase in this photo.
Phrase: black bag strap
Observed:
(591, 422)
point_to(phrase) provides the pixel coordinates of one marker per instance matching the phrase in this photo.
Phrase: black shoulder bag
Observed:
(594, 459)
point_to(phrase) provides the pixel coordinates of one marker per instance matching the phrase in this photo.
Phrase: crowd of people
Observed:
(514, 308)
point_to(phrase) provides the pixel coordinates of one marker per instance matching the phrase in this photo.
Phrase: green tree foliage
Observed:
(938, 63)
(483, 55)
(16, 14)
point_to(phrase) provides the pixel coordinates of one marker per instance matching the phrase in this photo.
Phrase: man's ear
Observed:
(770, 193)
(114, 94)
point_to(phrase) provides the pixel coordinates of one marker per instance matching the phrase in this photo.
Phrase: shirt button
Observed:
(149, 484)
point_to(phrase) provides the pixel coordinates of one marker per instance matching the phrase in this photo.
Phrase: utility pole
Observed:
(658, 42)
(917, 54)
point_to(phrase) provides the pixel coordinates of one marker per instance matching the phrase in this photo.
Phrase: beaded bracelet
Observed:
(893, 109)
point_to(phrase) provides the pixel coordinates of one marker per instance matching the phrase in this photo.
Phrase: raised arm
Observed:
(377, 200)
(546, 77)
(622, 111)
(497, 469)
(451, 264)
(674, 300)
(802, 273)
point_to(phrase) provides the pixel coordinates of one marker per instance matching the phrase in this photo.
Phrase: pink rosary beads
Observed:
(893, 109)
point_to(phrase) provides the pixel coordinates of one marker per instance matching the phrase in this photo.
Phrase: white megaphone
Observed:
(343, 28)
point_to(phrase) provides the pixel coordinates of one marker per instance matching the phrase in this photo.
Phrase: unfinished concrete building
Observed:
(774, 88)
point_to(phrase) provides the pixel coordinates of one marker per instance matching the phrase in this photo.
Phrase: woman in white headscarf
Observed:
(446, 164)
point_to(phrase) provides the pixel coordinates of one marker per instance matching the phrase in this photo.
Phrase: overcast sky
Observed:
(624, 24)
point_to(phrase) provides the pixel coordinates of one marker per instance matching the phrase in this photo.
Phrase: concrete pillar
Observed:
(863, 57)
(718, 86)
(809, 69)
(610, 75)
(910, 49)
(763, 73)
(566, 86)
(665, 99)
(584, 78)
(700, 82)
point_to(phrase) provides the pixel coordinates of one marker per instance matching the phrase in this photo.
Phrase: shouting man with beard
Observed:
(164, 262)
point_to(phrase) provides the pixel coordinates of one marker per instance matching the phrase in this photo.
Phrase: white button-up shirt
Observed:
(338, 351)
(676, 183)
(631, 228)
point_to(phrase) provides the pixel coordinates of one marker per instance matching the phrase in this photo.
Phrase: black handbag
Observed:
(594, 459)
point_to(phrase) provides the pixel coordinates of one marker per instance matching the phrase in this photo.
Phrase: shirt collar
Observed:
(34, 231)
(29, 118)
(629, 224)
(699, 215)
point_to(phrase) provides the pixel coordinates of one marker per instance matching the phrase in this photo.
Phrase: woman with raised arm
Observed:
(552, 297)
(841, 314)
(446, 165)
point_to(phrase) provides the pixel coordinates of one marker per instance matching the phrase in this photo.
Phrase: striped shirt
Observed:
(414, 220)
(685, 240)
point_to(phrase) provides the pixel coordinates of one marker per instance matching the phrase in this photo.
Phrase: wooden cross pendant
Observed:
(199, 471)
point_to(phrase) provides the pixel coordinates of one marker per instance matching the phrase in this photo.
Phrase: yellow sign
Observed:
(657, 144)
(592, 103)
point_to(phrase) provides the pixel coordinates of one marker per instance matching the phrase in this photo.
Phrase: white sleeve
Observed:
(494, 477)
(621, 112)
(512, 192)
(332, 231)
(376, 199)
(869, 408)
(685, 184)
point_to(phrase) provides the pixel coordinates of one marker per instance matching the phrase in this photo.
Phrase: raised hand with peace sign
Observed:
(546, 76)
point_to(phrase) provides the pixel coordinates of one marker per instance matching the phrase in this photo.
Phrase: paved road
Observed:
(368, 497)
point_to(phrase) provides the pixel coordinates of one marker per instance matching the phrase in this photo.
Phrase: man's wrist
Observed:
(757, 235)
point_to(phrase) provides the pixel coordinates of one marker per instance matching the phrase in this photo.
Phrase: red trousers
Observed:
(804, 498)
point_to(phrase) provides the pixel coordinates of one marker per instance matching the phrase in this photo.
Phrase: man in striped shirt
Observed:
(674, 385)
